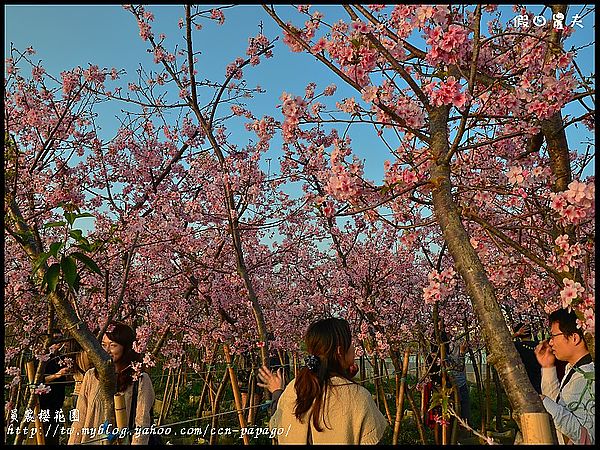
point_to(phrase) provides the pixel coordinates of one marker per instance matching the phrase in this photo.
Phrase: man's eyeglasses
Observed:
(552, 336)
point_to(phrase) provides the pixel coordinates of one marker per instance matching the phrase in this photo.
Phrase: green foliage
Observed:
(66, 269)
(69, 270)
(54, 248)
(51, 277)
(442, 398)
(87, 261)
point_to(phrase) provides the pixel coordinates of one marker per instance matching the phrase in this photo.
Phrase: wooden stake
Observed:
(444, 383)
(205, 389)
(236, 393)
(295, 365)
(499, 403)
(423, 405)
(178, 383)
(488, 404)
(417, 417)
(164, 400)
(218, 397)
(454, 435)
(251, 394)
(400, 403)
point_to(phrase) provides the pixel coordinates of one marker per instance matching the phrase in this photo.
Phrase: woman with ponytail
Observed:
(323, 405)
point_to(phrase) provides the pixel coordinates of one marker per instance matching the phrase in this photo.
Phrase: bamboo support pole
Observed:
(20, 392)
(164, 400)
(254, 395)
(39, 435)
(205, 389)
(423, 404)
(499, 402)
(417, 418)
(478, 382)
(444, 384)
(121, 413)
(171, 395)
(174, 381)
(385, 370)
(386, 406)
(120, 410)
(212, 397)
(400, 402)
(218, 397)
(362, 370)
(379, 389)
(454, 435)
(481, 390)
(236, 393)
(488, 394)
(536, 428)
(375, 378)
(295, 365)
(178, 383)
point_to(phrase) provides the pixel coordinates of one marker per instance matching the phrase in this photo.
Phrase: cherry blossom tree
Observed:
(174, 197)
(481, 143)
(483, 209)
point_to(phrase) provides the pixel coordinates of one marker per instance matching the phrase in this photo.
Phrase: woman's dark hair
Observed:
(123, 334)
(567, 322)
(74, 351)
(323, 338)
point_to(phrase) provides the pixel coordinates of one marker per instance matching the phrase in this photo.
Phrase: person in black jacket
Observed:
(53, 400)
(525, 345)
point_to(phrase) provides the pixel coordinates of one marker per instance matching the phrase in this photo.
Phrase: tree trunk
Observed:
(67, 317)
(503, 355)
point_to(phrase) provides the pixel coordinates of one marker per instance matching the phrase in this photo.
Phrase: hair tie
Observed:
(312, 362)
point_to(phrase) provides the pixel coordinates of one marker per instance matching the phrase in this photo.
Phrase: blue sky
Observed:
(70, 35)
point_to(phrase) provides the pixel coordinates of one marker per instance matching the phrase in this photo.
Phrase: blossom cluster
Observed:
(42, 389)
(395, 174)
(449, 46)
(256, 45)
(570, 292)
(446, 93)
(575, 204)
(293, 109)
(441, 284)
(568, 256)
(344, 183)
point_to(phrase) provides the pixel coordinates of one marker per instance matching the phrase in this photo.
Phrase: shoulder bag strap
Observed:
(133, 409)
(582, 362)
